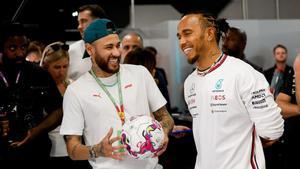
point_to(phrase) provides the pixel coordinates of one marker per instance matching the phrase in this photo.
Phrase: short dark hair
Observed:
(221, 24)
(9, 30)
(151, 49)
(280, 46)
(241, 34)
(96, 10)
(141, 56)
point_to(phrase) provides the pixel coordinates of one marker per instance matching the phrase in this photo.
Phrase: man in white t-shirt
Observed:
(97, 104)
(232, 108)
(79, 64)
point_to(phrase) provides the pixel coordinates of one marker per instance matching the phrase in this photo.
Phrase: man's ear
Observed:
(210, 33)
(89, 48)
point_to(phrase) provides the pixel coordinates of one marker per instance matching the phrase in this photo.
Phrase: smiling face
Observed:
(191, 36)
(105, 53)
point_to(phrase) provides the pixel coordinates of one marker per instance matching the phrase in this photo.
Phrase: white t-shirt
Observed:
(232, 108)
(88, 111)
(78, 65)
(58, 145)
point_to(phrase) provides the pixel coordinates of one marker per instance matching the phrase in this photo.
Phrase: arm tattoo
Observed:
(74, 149)
(69, 138)
(162, 115)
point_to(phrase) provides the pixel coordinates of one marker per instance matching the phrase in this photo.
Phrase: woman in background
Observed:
(55, 59)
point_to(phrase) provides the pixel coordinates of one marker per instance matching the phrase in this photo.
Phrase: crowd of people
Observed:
(65, 104)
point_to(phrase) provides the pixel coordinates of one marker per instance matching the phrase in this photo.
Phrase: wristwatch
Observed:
(92, 153)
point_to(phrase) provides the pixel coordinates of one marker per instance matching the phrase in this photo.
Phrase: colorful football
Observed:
(143, 136)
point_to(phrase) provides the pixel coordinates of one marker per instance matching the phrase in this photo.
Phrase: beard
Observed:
(13, 64)
(193, 59)
(104, 64)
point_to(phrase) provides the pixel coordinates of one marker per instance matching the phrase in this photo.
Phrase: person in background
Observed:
(97, 104)
(130, 42)
(234, 44)
(35, 50)
(55, 59)
(160, 77)
(78, 63)
(30, 104)
(230, 102)
(277, 74)
(288, 100)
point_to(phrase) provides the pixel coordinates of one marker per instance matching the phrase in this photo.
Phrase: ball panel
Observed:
(142, 136)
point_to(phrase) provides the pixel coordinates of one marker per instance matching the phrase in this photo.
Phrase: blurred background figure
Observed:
(146, 57)
(277, 74)
(78, 64)
(55, 60)
(35, 50)
(285, 154)
(160, 77)
(234, 44)
(130, 41)
(30, 103)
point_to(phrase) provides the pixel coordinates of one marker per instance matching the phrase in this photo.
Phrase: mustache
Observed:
(115, 57)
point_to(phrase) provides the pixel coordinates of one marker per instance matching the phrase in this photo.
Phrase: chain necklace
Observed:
(215, 65)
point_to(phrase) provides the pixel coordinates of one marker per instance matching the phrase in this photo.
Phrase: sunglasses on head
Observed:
(56, 47)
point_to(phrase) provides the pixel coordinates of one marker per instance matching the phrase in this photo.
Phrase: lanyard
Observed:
(5, 80)
(120, 110)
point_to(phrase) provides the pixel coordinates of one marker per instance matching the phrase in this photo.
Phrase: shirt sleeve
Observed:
(155, 98)
(260, 104)
(73, 121)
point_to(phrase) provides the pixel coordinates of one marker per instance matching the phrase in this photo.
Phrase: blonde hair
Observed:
(50, 54)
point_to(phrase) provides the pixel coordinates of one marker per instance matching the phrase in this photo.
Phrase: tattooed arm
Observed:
(162, 115)
(78, 151)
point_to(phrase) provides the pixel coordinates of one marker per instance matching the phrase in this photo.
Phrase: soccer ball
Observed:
(142, 136)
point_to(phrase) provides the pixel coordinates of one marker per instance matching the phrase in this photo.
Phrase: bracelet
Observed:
(92, 153)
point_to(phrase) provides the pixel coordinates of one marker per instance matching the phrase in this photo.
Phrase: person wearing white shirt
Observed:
(79, 64)
(97, 104)
(232, 108)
